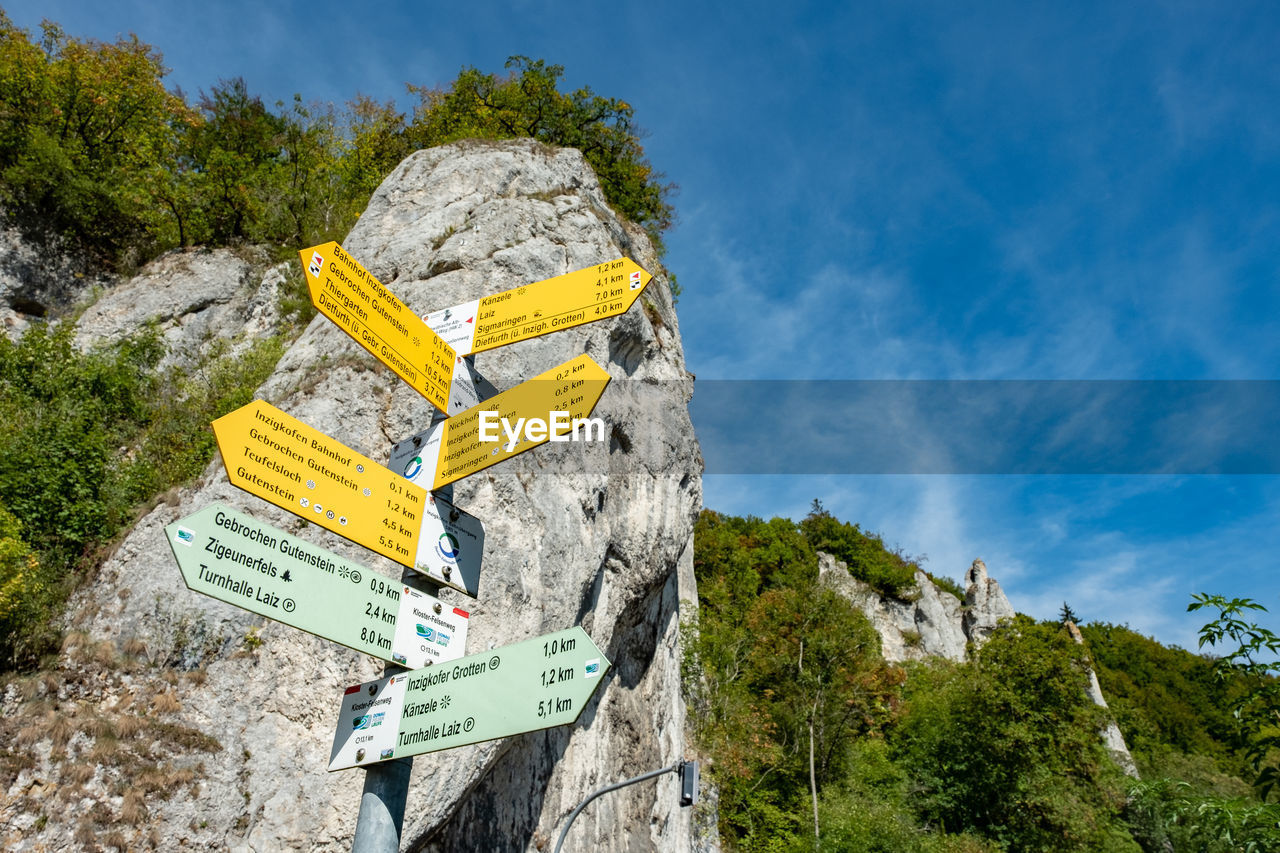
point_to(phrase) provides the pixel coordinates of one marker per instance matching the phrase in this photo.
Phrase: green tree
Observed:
(232, 152)
(375, 144)
(528, 103)
(864, 553)
(782, 675)
(81, 124)
(1167, 701)
(869, 811)
(1257, 711)
(26, 591)
(304, 197)
(779, 695)
(1007, 746)
(65, 414)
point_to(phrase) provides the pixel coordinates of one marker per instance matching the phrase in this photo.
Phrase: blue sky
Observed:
(907, 191)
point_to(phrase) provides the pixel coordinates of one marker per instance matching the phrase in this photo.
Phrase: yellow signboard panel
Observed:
(595, 293)
(352, 298)
(300, 469)
(554, 406)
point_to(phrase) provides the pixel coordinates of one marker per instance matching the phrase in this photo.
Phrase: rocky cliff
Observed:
(927, 621)
(195, 725)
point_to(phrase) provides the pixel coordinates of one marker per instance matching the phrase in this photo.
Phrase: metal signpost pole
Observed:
(386, 789)
(386, 784)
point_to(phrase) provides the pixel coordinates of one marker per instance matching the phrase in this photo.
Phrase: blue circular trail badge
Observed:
(413, 467)
(448, 547)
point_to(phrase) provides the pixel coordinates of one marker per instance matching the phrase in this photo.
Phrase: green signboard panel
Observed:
(235, 558)
(528, 686)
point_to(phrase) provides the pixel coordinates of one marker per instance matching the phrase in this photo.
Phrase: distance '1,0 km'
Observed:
(558, 645)
(556, 675)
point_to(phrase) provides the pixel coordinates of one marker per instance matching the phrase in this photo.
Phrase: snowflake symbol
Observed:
(444, 702)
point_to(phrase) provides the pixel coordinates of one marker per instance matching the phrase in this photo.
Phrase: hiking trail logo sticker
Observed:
(448, 547)
(185, 536)
(317, 264)
(413, 467)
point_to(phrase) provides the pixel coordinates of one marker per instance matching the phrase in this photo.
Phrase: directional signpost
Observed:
(594, 293)
(554, 406)
(234, 558)
(361, 306)
(402, 514)
(528, 686)
(300, 469)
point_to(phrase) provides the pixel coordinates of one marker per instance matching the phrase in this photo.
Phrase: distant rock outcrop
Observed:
(985, 604)
(242, 710)
(1111, 735)
(930, 622)
(927, 621)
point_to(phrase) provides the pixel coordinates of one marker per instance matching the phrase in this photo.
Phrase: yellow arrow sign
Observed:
(604, 290)
(351, 297)
(299, 469)
(554, 406)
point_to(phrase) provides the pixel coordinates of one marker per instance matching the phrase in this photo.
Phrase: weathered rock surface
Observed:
(596, 534)
(927, 621)
(1111, 735)
(926, 624)
(985, 603)
(197, 298)
(38, 278)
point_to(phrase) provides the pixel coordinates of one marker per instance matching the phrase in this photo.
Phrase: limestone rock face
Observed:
(38, 278)
(198, 298)
(926, 625)
(927, 621)
(1111, 735)
(597, 534)
(985, 603)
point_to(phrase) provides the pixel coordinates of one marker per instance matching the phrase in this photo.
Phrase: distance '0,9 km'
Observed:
(378, 586)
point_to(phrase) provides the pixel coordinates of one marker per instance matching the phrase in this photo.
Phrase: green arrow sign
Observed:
(234, 558)
(532, 685)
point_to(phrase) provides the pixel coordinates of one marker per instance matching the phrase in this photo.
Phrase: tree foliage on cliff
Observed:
(528, 103)
(83, 126)
(1166, 700)
(782, 675)
(85, 439)
(1007, 745)
(95, 149)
